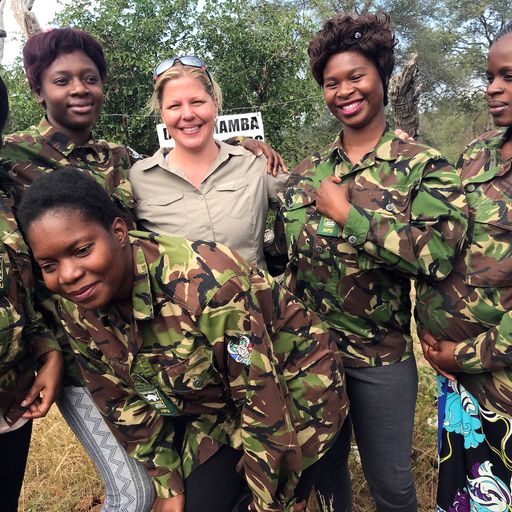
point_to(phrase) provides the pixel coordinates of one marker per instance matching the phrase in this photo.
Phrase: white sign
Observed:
(248, 125)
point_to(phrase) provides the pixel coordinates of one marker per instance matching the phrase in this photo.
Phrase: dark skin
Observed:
(274, 159)
(354, 94)
(440, 354)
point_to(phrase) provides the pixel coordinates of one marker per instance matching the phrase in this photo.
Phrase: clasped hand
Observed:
(332, 200)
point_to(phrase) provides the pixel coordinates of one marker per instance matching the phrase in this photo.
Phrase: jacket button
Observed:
(390, 207)
(471, 187)
(352, 239)
(320, 286)
(319, 249)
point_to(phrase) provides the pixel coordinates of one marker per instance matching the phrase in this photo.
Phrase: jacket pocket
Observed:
(190, 375)
(488, 256)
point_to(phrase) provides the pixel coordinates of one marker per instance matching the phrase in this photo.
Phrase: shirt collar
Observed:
(61, 142)
(142, 295)
(498, 141)
(387, 148)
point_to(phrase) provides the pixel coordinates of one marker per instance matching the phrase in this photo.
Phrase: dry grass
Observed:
(60, 477)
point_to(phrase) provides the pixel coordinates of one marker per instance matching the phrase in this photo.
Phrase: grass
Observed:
(61, 478)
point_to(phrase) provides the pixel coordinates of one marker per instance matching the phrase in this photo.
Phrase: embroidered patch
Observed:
(241, 350)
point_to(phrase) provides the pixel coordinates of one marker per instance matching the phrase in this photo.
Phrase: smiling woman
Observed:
(223, 384)
(201, 189)
(70, 90)
(66, 69)
(26, 344)
(469, 339)
(360, 218)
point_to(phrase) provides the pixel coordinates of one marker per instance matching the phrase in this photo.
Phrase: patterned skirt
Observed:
(475, 456)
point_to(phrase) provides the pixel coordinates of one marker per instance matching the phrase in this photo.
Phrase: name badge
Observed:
(328, 227)
(156, 399)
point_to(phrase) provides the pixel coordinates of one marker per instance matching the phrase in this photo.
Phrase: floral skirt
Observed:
(475, 456)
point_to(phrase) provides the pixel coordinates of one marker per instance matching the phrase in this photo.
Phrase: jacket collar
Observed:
(61, 142)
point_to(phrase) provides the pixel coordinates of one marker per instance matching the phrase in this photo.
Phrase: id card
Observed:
(156, 399)
(328, 227)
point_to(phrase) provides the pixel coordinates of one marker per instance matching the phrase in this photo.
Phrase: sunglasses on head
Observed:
(186, 60)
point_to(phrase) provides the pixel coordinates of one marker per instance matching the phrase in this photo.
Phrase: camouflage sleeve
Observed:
(420, 236)
(141, 430)
(238, 334)
(257, 330)
(489, 351)
(46, 304)
(39, 336)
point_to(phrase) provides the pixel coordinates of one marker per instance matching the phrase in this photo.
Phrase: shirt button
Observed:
(390, 207)
(471, 187)
(319, 249)
(352, 239)
(201, 198)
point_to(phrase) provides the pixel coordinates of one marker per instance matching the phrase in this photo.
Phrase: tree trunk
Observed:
(22, 10)
(3, 33)
(404, 94)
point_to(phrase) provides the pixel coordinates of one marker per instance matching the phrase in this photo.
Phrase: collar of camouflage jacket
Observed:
(142, 295)
(497, 142)
(61, 142)
(386, 149)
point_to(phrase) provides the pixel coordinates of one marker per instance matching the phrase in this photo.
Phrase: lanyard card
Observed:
(328, 227)
(156, 399)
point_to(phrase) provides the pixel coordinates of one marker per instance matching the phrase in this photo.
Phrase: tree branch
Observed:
(25, 18)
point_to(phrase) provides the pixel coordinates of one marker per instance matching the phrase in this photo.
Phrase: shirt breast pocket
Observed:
(190, 376)
(234, 197)
(395, 202)
(167, 209)
(488, 256)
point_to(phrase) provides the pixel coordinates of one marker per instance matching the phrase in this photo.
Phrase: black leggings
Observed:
(216, 486)
(14, 449)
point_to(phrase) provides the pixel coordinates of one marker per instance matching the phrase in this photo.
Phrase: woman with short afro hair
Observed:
(361, 218)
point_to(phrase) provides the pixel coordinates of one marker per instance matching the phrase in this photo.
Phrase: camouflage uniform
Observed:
(217, 341)
(472, 308)
(24, 337)
(473, 305)
(408, 217)
(40, 149)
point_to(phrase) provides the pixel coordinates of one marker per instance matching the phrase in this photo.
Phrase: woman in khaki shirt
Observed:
(203, 188)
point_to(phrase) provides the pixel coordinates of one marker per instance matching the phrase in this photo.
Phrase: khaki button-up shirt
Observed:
(230, 206)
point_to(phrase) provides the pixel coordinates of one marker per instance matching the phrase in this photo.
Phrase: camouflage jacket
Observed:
(23, 335)
(41, 149)
(407, 219)
(473, 306)
(216, 341)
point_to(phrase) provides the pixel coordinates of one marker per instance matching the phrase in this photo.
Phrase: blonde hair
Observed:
(179, 71)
